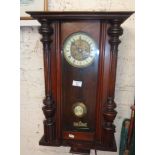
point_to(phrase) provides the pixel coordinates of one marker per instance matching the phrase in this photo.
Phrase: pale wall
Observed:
(32, 82)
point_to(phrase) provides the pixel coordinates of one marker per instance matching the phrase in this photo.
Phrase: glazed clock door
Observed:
(80, 56)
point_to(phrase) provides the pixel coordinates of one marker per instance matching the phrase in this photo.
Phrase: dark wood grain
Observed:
(49, 108)
(98, 79)
(85, 136)
(70, 15)
(109, 112)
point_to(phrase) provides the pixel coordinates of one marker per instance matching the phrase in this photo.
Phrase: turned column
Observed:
(49, 107)
(109, 112)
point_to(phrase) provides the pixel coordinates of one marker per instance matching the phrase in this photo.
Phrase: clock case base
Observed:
(80, 147)
(104, 133)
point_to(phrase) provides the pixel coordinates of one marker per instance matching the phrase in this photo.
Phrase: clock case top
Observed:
(85, 15)
(103, 138)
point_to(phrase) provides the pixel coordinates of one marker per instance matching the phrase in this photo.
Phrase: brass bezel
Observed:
(68, 38)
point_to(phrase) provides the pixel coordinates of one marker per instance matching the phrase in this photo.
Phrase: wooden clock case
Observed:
(98, 93)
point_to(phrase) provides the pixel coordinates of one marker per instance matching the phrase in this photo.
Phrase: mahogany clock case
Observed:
(98, 79)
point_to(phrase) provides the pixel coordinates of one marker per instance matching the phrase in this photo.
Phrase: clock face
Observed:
(80, 50)
(79, 109)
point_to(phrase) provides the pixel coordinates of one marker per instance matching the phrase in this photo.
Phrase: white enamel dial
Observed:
(80, 50)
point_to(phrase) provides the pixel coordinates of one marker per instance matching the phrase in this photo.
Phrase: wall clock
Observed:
(80, 57)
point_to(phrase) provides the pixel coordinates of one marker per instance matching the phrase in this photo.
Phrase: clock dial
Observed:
(80, 50)
(79, 109)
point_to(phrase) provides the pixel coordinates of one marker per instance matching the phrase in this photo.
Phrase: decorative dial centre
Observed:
(80, 50)
(79, 109)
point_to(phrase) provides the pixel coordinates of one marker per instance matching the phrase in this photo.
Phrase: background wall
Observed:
(32, 79)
